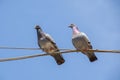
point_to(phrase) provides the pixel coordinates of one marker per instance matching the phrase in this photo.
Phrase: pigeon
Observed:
(81, 42)
(47, 44)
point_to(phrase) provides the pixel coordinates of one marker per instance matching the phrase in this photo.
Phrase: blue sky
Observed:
(99, 19)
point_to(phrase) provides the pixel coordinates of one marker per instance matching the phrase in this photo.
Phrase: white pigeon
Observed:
(81, 42)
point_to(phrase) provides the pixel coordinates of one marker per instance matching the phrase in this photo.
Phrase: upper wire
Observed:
(18, 48)
(3, 47)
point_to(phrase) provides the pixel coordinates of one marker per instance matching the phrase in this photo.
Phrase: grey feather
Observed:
(47, 44)
(81, 42)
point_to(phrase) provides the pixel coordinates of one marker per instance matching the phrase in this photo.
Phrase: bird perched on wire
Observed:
(47, 44)
(81, 42)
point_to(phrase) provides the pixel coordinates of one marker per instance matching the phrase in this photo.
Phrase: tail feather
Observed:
(91, 57)
(59, 59)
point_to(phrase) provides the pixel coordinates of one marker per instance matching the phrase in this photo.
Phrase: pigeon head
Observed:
(71, 25)
(38, 27)
(74, 28)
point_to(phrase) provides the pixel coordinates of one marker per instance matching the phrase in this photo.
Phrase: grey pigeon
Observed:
(81, 42)
(47, 44)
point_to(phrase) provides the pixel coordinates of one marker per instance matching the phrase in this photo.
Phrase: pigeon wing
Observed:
(51, 40)
(87, 40)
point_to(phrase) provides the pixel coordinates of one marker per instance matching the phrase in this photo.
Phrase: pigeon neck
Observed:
(75, 30)
(39, 33)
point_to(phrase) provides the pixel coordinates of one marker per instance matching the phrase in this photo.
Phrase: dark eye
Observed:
(88, 42)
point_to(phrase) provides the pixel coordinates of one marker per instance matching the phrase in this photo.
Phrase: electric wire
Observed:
(62, 52)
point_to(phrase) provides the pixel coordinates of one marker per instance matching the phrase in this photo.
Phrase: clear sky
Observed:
(99, 19)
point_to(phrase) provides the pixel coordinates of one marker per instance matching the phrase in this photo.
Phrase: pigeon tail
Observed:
(58, 58)
(91, 57)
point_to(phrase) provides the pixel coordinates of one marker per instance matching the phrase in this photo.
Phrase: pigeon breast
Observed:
(79, 41)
